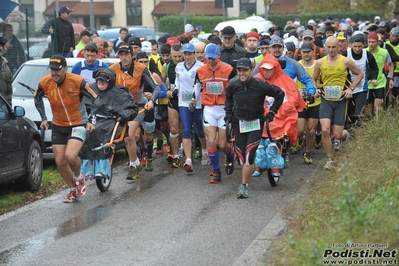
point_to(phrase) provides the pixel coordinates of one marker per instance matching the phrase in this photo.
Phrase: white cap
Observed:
(377, 18)
(311, 21)
(146, 47)
(358, 32)
(297, 23)
(188, 28)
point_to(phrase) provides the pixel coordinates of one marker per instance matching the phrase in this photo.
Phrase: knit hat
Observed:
(373, 36)
(253, 34)
(188, 28)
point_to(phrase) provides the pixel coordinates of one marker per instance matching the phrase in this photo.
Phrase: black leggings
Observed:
(247, 143)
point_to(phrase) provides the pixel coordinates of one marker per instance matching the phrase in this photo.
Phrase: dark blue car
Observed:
(21, 157)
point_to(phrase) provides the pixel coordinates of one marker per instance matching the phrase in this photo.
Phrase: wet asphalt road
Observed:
(166, 217)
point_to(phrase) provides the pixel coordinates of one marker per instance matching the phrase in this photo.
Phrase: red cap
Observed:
(172, 40)
(373, 35)
(253, 34)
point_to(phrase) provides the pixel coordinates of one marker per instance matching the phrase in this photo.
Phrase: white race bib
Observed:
(248, 126)
(79, 133)
(332, 92)
(214, 88)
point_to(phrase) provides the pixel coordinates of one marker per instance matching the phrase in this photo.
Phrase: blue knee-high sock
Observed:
(214, 158)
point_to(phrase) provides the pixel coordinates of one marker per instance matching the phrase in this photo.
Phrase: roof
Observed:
(81, 8)
(284, 7)
(196, 8)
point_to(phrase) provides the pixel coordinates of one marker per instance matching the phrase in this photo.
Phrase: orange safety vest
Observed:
(221, 74)
(132, 83)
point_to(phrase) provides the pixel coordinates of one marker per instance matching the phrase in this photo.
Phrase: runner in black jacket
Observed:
(244, 106)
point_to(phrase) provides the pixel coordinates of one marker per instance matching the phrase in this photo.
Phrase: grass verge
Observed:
(352, 206)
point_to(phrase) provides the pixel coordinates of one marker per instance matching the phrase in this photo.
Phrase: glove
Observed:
(119, 118)
(175, 93)
(192, 105)
(228, 118)
(269, 117)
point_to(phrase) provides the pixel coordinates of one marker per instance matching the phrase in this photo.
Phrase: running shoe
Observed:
(294, 149)
(159, 152)
(180, 152)
(155, 145)
(317, 143)
(71, 196)
(149, 166)
(348, 135)
(188, 166)
(307, 157)
(80, 185)
(216, 176)
(169, 158)
(328, 165)
(337, 144)
(205, 159)
(133, 172)
(229, 166)
(242, 192)
(257, 172)
(176, 163)
(197, 153)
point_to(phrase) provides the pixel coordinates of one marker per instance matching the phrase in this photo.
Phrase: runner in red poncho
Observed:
(286, 119)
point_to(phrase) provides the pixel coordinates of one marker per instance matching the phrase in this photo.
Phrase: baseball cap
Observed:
(377, 18)
(395, 31)
(253, 34)
(172, 40)
(64, 9)
(228, 32)
(146, 47)
(85, 33)
(57, 62)
(330, 28)
(290, 46)
(188, 47)
(372, 27)
(342, 36)
(276, 41)
(125, 48)
(308, 33)
(244, 63)
(306, 47)
(382, 24)
(212, 51)
(311, 21)
(267, 65)
(188, 28)
(103, 76)
(264, 42)
(215, 40)
(373, 36)
(134, 41)
(321, 30)
(141, 55)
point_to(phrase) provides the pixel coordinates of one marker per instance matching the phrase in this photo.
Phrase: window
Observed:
(133, 12)
(247, 7)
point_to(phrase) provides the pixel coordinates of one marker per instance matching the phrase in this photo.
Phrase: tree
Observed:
(336, 6)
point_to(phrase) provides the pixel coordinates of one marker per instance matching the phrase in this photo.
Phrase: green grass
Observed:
(358, 202)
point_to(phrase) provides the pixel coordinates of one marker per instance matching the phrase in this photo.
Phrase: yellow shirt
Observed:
(335, 79)
(302, 87)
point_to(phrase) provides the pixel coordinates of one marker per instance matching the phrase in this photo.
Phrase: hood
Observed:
(270, 59)
(111, 74)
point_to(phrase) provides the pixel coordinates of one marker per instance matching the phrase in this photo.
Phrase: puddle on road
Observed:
(24, 253)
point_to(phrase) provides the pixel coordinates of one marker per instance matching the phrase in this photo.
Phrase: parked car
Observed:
(21, 157)
(113, 33)
(26, 80)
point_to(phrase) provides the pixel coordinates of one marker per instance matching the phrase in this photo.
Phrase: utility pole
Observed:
(185, 12)
(224, 9)
(92, 24)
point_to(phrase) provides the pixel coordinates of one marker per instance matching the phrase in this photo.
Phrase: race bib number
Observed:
(303, 92)
(186, 96)
(172, 87)
(79, 133)
(248, 126)
(214, 88)
(149, 127)
(332, 92)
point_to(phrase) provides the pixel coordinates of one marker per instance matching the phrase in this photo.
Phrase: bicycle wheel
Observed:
(273, 179)
(104, 183)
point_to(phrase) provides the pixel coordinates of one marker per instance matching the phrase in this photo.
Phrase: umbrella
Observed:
(78, 27)
(6, 7)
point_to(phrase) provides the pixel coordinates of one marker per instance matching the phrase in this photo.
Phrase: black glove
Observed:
(228, 118)
(174, 93)
(119, 118)
(269, 117)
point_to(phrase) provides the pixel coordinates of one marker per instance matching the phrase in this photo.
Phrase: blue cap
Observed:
(212, 51)
(64, 9)
(188, 47)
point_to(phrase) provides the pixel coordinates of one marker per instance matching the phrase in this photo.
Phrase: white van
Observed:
(243, 26)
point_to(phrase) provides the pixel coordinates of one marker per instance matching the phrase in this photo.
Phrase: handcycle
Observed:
(268, 157)
(119, 132)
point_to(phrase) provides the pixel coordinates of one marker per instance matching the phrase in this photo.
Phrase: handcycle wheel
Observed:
(103, 184)
(273, 180)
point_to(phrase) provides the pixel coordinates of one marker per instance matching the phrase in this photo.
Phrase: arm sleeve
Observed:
(278, 95)
(373, 67)
(38, 97)
(127, 107)
(47, 26)
(228, 105)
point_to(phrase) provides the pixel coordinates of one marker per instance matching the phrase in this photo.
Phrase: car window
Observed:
(29, 75)
(4, 112)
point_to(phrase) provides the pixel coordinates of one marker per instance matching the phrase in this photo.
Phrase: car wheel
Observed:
(34, 167)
